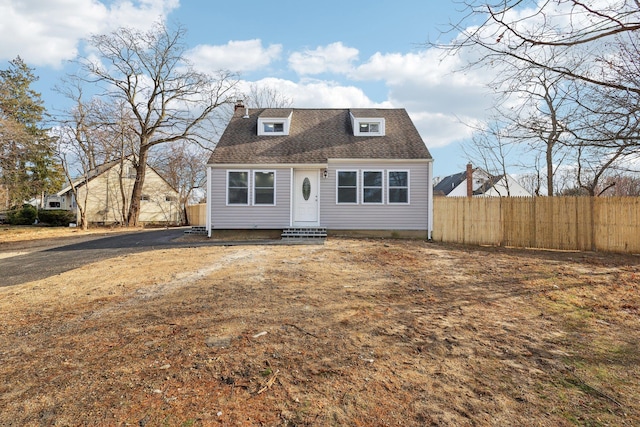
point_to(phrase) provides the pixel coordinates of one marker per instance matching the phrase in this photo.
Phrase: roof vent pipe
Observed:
(246, 113)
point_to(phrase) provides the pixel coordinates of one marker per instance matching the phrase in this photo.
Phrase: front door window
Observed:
(306, 188)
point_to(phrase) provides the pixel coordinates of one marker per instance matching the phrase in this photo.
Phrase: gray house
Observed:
(321, 170)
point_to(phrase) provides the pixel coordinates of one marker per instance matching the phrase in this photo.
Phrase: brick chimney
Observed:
(469, 180)
(239, 105)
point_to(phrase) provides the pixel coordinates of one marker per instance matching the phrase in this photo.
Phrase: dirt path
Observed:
(355, 332)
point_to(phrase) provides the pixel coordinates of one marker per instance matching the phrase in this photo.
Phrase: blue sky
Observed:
(333, 54)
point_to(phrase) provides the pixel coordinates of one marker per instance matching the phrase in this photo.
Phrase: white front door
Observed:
(305, 197)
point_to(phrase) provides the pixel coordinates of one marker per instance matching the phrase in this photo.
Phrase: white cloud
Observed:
(320, 94)
(47, 32)
(335, 57)
(439, 130)
(238, 56)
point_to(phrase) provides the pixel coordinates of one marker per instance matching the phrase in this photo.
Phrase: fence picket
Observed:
(610, 224)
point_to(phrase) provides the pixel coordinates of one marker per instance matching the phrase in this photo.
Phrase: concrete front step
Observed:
(197, 229)
(304, 233)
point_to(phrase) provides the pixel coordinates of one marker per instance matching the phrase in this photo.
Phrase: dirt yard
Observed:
(350, 333)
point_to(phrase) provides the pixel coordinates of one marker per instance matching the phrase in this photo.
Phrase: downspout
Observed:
(209, 204)
(429, 199)
(469, 180)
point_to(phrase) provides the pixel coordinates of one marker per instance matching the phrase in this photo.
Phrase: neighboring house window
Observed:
(398, 186)
(170, 199)
(372, 187)
(145, 198)
(347, 187)
(54, 204)
(238, 188)
(273, 127)
(131, 172)
(264, 187)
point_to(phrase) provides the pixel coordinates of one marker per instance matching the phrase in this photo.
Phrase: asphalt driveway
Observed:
(45, 263)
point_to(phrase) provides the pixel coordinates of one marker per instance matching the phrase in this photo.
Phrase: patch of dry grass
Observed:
(351, 333)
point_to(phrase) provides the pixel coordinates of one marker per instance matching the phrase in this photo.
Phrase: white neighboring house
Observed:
(479, 183)
(105, 199)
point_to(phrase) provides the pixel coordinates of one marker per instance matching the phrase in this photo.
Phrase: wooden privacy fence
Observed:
(610, 224)
(197, 214)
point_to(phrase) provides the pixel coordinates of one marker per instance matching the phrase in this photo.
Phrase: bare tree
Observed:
(489, 150)
(168, 99)
(621, 184)
(183, 166)
(261, 96)
(529, 123)
(574, 66)
(527, 30)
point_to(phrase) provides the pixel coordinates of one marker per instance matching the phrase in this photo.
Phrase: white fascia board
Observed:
(267, 165)
(417, 161)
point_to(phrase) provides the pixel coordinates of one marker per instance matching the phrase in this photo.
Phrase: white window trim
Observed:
(262, 127)
(285, 121)
(252, 186)
(408, 186)
(228, 172)
(382, 187)
(357, 172)
(356, 121)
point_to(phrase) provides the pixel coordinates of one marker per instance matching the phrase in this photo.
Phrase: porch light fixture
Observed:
(325, 173)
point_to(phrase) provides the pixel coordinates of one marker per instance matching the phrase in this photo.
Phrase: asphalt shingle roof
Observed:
(448, 183)
(317, 135)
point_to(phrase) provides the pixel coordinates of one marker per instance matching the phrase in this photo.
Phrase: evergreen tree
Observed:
(27, 165)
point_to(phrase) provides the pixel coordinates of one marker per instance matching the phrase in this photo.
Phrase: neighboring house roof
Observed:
(488, 184)
(483, 184)
(99, 170)
(449, 183)
(316, 135)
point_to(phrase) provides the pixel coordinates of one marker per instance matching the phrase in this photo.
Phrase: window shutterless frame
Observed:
(347, 187)
(372, 187)
(264, 188)
(398, 185)
(237, 187)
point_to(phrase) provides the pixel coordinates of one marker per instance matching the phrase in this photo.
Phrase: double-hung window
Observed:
(372, 127)
(398, 186)
(264, 188)
(372, 187)
(273, 127)
(238, 188)
(259, 184)
(347, 187)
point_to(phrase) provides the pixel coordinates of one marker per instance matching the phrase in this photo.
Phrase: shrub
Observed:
(26, 215)
(56, 217)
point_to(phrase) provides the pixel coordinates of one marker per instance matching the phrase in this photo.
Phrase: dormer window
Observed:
(274, 122)
(373, 127)
(367, 126)
(275, 127)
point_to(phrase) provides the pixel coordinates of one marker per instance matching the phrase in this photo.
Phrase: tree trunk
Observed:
(136, 194)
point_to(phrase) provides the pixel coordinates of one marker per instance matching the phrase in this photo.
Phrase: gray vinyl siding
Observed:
(224, 216)
(412, 216)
